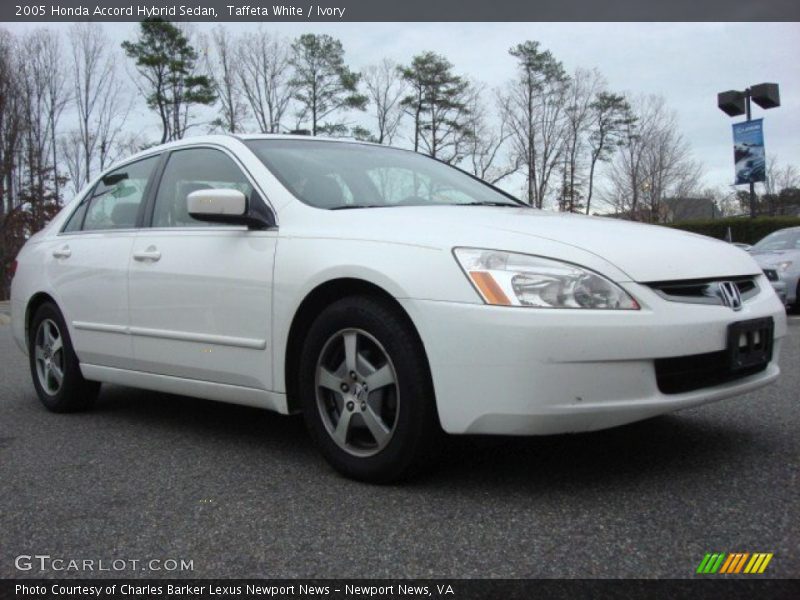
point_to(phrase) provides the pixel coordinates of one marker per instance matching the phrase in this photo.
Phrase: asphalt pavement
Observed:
(242, 493)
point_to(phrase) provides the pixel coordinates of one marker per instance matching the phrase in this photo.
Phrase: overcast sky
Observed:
(687, 63)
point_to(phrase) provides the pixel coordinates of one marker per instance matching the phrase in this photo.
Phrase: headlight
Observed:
(510, 279)
(784, 266)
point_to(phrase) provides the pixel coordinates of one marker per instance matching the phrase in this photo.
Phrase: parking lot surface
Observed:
(242, 493)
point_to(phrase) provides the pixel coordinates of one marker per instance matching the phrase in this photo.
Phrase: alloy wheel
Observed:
(357, 392)
(49, 356)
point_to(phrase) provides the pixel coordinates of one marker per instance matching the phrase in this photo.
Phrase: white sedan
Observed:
(384, 295)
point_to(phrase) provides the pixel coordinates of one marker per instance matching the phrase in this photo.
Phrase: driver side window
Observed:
(191, 170)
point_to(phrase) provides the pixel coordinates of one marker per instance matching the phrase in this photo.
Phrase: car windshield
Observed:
(780, 240)
(336, 176)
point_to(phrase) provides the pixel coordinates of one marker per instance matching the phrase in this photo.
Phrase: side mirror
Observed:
(208, 203)
(226, 206)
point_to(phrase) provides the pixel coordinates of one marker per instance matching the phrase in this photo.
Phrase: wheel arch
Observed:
(317, 300)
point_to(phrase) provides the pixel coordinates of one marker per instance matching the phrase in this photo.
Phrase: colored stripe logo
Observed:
(734, 563)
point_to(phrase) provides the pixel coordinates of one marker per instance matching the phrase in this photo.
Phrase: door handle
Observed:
(151, 253)
(63, 252)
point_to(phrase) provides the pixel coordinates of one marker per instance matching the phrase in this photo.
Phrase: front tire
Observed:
(366, 391)
(54, 366)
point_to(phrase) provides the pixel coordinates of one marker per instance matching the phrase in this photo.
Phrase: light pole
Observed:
(734, 103)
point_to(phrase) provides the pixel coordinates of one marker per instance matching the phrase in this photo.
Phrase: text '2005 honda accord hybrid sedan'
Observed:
(384, 295)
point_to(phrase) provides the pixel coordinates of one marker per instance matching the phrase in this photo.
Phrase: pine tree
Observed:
(167, 64)
(323, 83)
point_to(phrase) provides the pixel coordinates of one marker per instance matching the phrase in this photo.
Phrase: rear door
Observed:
(201, 293)
(87, 263)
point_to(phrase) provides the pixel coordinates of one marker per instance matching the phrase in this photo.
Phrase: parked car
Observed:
(780, 252)
(383, 294)
(777, 284)
(772, 275)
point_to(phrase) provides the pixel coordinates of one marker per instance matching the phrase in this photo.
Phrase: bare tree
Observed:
(11, 124)
(10, 120)
(486, 144)
(534, 105)
(264, 74)
(385, 89)
(32, 98)
(221, 62)
(779, 177)
(72, 149)
(578, 116)
(44, 96)
(57, 96)
(781, 188)
(654, 164)
(669, 170)
(100, 101)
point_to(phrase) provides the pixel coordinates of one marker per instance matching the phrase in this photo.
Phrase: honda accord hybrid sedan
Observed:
(384, 295)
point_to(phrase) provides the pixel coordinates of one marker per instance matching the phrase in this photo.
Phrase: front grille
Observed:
(702, 291)
(687, 373)
(771, 274)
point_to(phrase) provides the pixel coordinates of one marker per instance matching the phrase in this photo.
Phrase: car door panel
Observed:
(88, 264)
(200, 294)
(93, 293)
(202, 309)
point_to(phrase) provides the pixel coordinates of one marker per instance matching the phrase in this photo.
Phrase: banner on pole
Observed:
(748, 151)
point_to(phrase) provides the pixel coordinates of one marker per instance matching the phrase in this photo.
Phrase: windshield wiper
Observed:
(352, 206)
(491, 204)
(349, 206)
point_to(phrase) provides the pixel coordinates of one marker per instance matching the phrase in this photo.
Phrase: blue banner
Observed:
(748, 151)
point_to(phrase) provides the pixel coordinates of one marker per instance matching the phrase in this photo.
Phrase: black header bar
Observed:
(401, 10)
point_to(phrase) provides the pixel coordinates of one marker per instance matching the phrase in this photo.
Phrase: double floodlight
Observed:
(733, 103)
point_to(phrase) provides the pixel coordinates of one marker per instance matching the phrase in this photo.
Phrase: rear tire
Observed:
(54, 366)
(366, 392)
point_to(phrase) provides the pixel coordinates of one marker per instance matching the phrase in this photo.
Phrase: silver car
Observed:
(779, 255)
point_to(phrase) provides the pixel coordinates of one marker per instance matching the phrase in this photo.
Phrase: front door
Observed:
(200, 293)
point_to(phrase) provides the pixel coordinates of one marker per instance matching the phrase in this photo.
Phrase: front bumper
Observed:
(521, 371)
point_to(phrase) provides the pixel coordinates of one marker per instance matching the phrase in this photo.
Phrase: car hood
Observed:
(643, 253)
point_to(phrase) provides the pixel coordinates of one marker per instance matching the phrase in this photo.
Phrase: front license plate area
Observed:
(750, 343)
